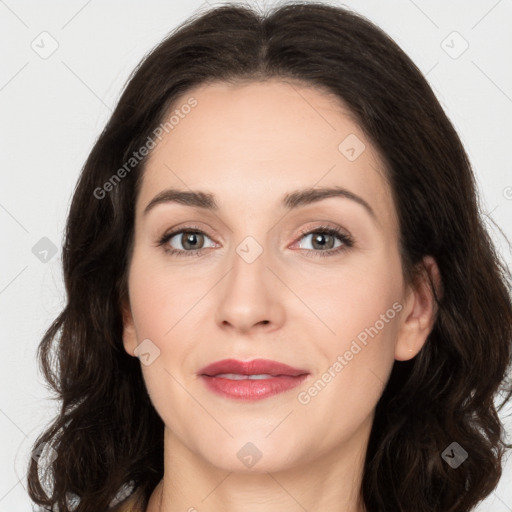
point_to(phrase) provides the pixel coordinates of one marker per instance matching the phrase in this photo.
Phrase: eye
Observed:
(324, 237)
(190, 239)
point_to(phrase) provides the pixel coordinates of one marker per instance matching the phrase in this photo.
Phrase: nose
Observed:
(251, 297)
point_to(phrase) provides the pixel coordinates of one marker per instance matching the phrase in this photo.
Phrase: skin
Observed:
(249, 145)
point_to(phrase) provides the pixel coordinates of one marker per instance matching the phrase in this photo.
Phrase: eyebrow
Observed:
(290, 201)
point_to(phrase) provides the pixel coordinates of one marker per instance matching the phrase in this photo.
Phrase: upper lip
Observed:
(254, 367)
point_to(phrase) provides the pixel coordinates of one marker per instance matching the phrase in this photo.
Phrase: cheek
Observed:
(158, 303)
(158, 297)
(353, 297)
(357, 365)
(357, 333)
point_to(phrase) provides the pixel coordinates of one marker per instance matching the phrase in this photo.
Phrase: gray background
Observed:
(63, 67)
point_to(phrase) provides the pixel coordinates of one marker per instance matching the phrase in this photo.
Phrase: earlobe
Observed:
(420, 312)
(129, 331)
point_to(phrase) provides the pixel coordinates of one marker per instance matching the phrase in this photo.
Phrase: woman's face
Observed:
(258, 277)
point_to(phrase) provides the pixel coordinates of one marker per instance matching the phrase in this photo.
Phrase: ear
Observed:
(420, 311)
(129, 331)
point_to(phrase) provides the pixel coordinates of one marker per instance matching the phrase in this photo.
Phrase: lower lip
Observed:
(252, 389)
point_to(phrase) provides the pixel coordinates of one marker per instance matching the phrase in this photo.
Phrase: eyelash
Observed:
(332, 231)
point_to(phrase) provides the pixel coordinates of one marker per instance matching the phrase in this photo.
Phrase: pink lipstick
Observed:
(251, 380)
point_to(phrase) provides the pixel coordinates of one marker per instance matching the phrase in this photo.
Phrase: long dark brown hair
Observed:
(108, 436)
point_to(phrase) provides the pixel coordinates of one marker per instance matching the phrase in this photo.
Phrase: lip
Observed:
(254, 367)
(282, 378)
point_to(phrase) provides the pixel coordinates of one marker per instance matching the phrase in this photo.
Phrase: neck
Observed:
(329, 483)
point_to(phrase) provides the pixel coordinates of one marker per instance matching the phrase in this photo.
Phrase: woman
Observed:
(281, 295)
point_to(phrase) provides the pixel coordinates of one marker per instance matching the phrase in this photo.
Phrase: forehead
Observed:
(256, 141)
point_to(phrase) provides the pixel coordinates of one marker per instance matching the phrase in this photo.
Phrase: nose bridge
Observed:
(247, 298)
(252, 256)
(249, 275)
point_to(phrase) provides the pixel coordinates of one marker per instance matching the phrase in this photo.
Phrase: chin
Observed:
(251, 455)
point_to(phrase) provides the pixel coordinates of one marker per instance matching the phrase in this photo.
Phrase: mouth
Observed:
(250, 380)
